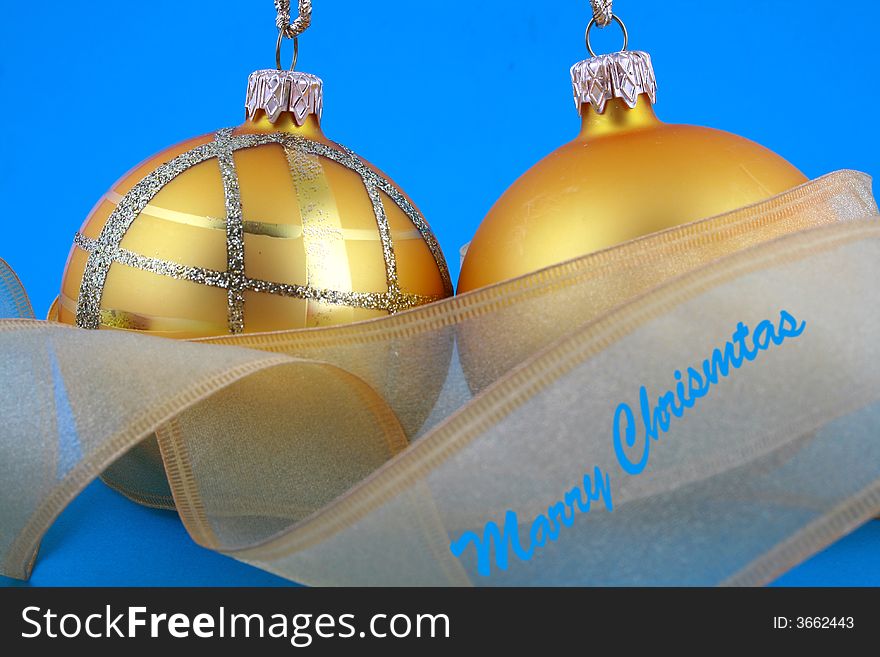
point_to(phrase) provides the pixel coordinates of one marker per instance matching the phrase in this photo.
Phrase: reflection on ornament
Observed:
(268, 226)
(627, 174)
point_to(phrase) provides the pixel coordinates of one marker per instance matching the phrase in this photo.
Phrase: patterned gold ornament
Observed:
(263, 227)
(626, 174)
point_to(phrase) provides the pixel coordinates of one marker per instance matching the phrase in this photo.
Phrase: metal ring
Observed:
(278, 51)
(615, 19)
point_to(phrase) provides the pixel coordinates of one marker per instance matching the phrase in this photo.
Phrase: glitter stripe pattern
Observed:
(105, 250)
(234, 232)
(392, 302)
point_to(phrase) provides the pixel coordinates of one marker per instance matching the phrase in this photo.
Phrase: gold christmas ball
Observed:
(268, 226)
(264, 227)
(627, 174)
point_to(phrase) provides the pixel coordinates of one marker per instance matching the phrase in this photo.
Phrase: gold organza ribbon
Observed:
(359, 454)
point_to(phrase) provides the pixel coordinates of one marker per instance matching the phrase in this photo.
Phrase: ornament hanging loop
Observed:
(289, 29)
(594, 22)
(282, 21)
(278, 51)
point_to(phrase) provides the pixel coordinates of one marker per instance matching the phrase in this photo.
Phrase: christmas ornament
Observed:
(263, 227)
(270, 225)
(626, 174)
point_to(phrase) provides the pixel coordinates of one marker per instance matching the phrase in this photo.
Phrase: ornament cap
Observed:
(275, 92)
(625, 74)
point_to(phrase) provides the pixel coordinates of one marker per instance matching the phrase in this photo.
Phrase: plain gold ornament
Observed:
(627, 174)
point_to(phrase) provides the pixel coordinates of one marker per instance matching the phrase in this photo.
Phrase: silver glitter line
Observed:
(389, 301)
(384, 235)
(421, 225)
(88, 305)
(201, 275)
(234, 231)
(369, 300)
(213, 278)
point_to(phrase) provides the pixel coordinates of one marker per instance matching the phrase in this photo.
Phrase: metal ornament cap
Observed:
(624, 75)
(275, 92)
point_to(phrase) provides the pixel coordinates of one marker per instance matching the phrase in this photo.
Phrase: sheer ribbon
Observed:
(380, 452)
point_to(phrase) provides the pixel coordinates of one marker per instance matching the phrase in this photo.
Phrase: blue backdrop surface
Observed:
(453, 105)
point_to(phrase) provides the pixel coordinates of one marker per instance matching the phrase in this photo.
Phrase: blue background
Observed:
(479, 92)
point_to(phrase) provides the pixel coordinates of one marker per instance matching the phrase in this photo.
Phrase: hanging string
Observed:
(601, 12)
(300, 24)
